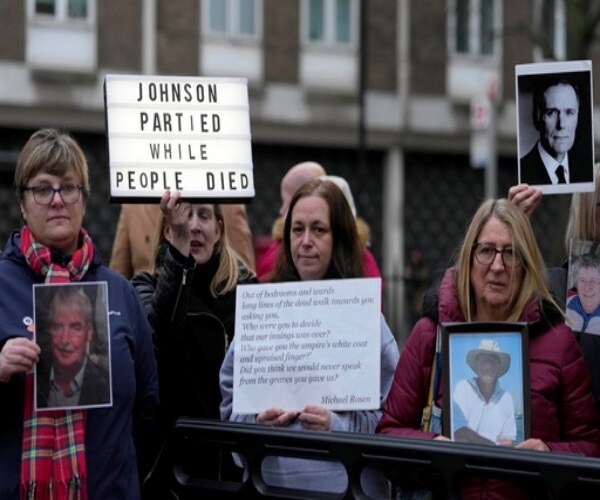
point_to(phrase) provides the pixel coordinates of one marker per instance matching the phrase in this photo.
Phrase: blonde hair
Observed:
(582, 215)
(227, 275)
(534, 285)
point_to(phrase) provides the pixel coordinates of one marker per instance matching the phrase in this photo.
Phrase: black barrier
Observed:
(444, 464)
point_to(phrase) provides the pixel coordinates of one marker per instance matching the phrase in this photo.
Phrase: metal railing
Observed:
(443, 464)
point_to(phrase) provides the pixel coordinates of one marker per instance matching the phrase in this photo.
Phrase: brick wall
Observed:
(428, 47)
(178, 37)
(382, 45)
(281, 40)
(119, 34)
(12, 34)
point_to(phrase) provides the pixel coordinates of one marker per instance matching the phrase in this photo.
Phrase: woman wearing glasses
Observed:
(80, 453)
(499, 276)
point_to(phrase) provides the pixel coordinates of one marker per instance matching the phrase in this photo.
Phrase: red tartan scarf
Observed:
(53, 456)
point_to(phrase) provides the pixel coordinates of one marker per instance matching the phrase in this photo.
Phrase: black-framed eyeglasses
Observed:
(43, 195)
(486, 253)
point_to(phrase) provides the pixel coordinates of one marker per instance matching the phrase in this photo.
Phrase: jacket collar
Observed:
(443, 306)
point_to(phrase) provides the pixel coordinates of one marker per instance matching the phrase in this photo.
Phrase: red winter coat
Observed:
(563, 407)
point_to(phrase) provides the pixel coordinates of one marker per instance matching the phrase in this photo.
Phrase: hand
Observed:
(18, 355)
(467, 435)
(533, 444)
(527, 198)
(177, 221)
(276, 417)
(440, 437)
(315, 418)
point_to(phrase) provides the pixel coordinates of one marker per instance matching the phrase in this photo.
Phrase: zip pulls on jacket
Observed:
(179, 291)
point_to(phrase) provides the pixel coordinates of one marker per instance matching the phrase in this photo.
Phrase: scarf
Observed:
(53, 457)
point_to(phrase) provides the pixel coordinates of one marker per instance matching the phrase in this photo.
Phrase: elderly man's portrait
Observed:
(583, 291)
(555, 128)
(485, 379)
(71, 323)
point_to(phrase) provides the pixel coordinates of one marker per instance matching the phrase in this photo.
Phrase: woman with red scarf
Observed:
(79, 453)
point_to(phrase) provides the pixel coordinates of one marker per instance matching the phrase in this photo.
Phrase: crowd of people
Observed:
(78, 424)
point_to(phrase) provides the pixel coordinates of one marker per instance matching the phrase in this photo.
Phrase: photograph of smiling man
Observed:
(555, 127)
(72, 331)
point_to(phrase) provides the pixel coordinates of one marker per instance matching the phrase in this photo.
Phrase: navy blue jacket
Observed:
(110, 432)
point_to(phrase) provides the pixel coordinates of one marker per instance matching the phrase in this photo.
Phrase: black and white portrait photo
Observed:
(554, 126)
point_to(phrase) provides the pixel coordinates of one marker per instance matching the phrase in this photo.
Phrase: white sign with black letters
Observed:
(187, 134)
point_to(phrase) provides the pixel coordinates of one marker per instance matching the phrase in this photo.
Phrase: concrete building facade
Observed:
(377, 91)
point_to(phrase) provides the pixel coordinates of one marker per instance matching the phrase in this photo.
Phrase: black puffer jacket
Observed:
(192, 330)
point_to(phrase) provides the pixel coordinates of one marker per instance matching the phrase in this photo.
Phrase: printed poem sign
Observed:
(308, 342)
(185, 134)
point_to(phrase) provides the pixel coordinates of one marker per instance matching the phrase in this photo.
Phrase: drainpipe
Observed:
(149, 37)
(393, 193)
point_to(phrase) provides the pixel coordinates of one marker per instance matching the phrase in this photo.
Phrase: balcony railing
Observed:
(442, 464)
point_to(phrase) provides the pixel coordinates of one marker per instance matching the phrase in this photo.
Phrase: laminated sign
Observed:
(187, 134)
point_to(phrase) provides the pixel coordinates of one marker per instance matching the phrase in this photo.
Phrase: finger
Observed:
(175, 199)
(315, 409)
(16, 353)
(515, 190)
(185, 207)
(17, 364)
(268, 415)
(19, 341)
(23, 359)
(164, 201)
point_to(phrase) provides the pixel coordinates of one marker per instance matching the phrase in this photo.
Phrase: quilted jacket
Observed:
(563, 408)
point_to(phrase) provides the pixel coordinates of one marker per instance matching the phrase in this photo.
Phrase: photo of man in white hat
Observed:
(482, 411)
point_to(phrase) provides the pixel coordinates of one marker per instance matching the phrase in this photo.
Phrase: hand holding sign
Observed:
(177, 221)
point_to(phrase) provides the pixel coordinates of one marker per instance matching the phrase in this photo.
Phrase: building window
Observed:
(549, 22)
(330, 22)
(62, 10)
(230, 44)
(475, 25)
(61, 36)
(45, 7)
(77, 8)
(234, 18)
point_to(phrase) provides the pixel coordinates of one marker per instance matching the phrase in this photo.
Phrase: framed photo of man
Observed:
(72, 330)
(486, 383)
(555, 131)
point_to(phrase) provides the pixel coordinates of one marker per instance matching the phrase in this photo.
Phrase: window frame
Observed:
(60, 16)
(232, 18)
(329, 26)
(474, 35)
(559, 49)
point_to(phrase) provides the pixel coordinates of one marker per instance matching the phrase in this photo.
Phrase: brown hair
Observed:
(346, 259)
(51, 152)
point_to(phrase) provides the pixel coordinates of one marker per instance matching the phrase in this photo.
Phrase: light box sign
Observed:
(187, 134)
